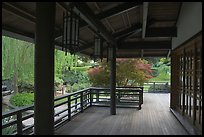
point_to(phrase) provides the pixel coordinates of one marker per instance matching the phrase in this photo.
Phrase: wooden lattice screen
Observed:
(187, 80)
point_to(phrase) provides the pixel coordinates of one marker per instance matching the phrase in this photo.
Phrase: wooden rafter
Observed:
(106, 14)
(88, 16)
(145, 12)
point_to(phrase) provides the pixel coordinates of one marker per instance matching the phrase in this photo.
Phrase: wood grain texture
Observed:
(154, 118)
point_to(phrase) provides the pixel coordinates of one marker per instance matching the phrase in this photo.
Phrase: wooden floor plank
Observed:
(154, 118)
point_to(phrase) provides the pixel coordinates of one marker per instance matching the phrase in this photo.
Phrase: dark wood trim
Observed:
(145, 45)
(10, 8)
(84, 47)
(161, 32)
(17, 34)
(106, 14)
(118, 10)
(129, 30)
(139, 55)
(88, 16)
(184, 122)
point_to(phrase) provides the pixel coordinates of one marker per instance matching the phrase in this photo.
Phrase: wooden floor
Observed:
(154, 118)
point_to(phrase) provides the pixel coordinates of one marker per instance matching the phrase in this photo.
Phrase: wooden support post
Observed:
(174, 96)
(44, 69)
(113, 80)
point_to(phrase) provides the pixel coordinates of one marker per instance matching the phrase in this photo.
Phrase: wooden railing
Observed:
(125, 96)
(165, 85)
(69, 105)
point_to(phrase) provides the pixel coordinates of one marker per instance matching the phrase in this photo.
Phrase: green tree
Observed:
(17, 61)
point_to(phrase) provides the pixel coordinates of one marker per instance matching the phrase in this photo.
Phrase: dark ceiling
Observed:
(136, 28)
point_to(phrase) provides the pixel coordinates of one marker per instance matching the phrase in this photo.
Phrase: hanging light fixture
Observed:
(70, 36)
(98, 48)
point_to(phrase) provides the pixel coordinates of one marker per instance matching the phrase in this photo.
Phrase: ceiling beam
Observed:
(145, 45)
(87, 15)
(106, 14)
(162, 32)
(134, 29)
(139, 55)
(84, 47)
(21, 12)
(25, 36)
(150, 32)
(128, 30)
(144, 21)
(25, 15)
(118, 10)
(17, 34)
(127, 55)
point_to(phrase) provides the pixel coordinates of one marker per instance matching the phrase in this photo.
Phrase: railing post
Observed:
(69, 108)
(91, 98)
(154, 86)
(97, 96)
(85, 98)
(19, 123)
(140, 99)
(75, 102)
(142, 95)
(119, 96)
(82, 102)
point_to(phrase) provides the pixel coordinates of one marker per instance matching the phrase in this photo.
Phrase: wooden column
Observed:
(174, 81)
(112, 51)
(44, 69)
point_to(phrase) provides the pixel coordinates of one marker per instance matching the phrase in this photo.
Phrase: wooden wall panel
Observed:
(187, 80)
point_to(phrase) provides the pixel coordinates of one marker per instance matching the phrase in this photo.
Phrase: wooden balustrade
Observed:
(75, 103)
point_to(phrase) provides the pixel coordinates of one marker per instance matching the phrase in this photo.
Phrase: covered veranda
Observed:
(128, 30)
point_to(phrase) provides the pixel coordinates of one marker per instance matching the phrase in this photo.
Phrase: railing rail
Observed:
(70, 105)
(125, 96)
(154, 86)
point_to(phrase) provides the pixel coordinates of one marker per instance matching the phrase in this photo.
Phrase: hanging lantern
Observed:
(70, 36)
(98, 48)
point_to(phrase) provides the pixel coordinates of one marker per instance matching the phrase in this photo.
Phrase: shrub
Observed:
(71, 77)
(77, 86)
(25, 87)
(22, 99)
